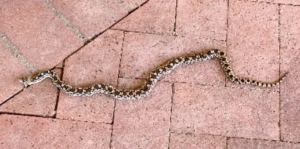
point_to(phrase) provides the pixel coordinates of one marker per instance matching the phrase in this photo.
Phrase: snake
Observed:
(150, 82)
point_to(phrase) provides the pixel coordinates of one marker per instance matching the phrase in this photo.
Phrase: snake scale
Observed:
(150, 82)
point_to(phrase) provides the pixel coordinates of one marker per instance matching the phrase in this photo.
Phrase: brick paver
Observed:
(131, 4)
(237, 143)
(205, 19)
(37, 32)
(289, 2)
(193, 107)
(143, 123)
(32, 132)
(148, 18)
(290, 89)
(91, 16)
(238, 112)
(253, 40)
(9, 75)
(192, 141)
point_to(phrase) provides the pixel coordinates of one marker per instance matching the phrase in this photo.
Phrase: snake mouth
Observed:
(24, 81)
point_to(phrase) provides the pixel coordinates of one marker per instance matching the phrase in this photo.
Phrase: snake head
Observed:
(26, 81)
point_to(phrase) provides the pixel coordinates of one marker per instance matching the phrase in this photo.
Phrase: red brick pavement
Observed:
(119, 42)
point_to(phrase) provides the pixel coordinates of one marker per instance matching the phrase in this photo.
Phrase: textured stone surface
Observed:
(98, 62)
(238, 112)
(32, 132)
(291, 2)
(143, 123)
(149, 19)
(237, 143)
(37, 32)
(253, 40)
(131, 4)
(9, 75)
(290, 89)
(201, 110)
(143, 53)
(91, 16)
(60, 65)
(38, 99)
(205, 19)
(192, 141)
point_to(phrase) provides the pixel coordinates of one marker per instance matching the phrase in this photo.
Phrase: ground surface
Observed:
(119, 42)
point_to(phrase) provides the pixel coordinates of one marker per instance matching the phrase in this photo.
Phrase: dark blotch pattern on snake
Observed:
(150, 82)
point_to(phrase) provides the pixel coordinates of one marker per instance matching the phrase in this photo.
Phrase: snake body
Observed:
(150, 82)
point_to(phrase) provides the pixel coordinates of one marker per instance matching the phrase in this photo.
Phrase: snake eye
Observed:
(21, 80)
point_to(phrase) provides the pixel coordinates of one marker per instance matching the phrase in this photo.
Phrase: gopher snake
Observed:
(150, 82)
